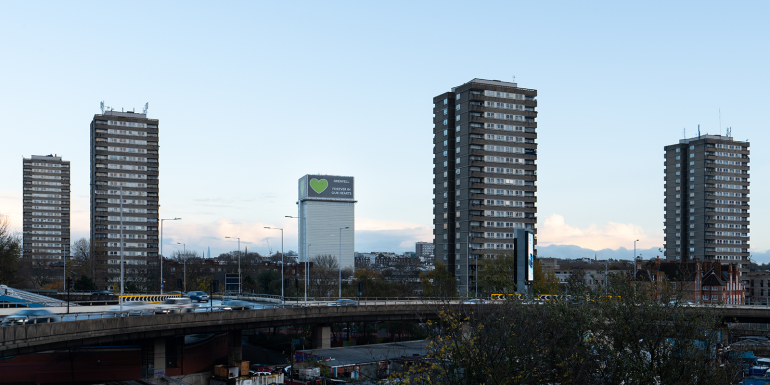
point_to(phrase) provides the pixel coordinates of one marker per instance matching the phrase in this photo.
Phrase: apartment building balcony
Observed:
(530, 102)
(482, 108)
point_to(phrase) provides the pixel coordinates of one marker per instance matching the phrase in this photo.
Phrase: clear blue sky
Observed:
(253, 95)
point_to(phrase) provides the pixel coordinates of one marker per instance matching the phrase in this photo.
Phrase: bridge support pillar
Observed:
(322, 337)
(234, 344)
(159, 356)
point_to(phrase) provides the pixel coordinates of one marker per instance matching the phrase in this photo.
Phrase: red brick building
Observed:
(707, 282)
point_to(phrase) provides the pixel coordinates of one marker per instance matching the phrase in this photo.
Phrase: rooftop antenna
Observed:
(101, 106)
(720, 122)
(684, 133)
(699, 131)
(514, 78)
(729, 131)
(144, 111)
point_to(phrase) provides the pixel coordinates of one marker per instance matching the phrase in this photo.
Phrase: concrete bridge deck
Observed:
(23, 339)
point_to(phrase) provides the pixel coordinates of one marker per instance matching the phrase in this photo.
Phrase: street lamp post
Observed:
(122, 242)
(339, 259)
(184, 266)
(306, 261)
(161, 250)
(635, 258)
(239, 263)
(307, 274)
(283, 283)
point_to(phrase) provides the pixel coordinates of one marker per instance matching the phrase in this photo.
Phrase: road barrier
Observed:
(551, 297)
(149, 298)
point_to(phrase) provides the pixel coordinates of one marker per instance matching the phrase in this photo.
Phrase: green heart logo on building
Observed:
(319, 185)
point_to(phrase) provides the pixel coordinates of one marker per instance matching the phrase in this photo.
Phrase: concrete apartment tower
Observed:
(326, 213)
(46, 239)
(424, 249)
(124, 153)
(707, 200)
(484, 172)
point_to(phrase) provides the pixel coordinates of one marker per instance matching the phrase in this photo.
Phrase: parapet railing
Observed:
(159, 310)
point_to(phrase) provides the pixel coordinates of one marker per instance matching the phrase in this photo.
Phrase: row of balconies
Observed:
(743, 190)
(479, 128)
(529, 101)
(525, 112)
(478, 117)
(125, 233)
(526, 145)
(102, 150)
(744, 155)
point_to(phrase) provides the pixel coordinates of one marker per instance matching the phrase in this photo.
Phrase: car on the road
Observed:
(681, 303)
(102, 292)
(30, 316)
(134, 308)
(175, 305)
(199, 296)
(234, 304)
(344, 302)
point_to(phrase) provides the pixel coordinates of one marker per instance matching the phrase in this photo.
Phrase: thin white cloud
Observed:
(554, 231)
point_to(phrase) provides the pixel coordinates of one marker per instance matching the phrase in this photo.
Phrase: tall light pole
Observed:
(283, 283)
(184, 268)
(635, 259)
(307, 274)
(339, 259)
(306, 260)
(161, 250)
(239, 263)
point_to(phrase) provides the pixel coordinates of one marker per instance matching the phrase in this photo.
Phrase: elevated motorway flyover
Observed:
(31, 338)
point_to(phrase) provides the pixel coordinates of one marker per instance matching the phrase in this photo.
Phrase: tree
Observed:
(249, 284)
(10, 252)
(84, 284)
(629, 337)
(323, 276)
(576, 283)
(545, 283)
(269, 282)
(83, 263)
(374, 285)
(498, 274)
(439, 283)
